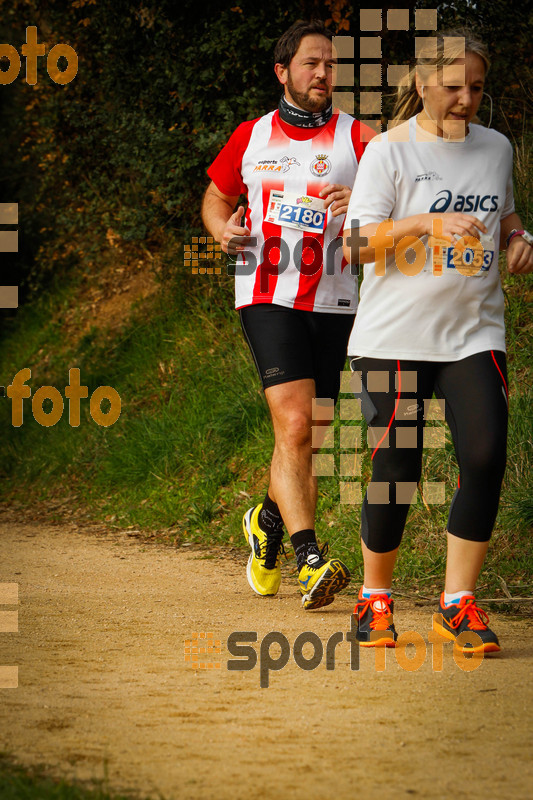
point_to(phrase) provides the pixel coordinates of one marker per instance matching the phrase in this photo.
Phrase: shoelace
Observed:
(477, 618)
(274, 546)
(324, 550)
(381, 618)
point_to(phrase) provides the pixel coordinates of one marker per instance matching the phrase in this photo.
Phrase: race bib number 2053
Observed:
(474, 258)
(291, 210)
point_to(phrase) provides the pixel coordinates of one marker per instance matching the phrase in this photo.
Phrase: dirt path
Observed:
(104, 688)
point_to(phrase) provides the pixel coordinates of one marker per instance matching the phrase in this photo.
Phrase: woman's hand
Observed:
(454, 225)
(519, 256)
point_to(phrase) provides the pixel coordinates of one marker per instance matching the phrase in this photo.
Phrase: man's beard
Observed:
(304, 99)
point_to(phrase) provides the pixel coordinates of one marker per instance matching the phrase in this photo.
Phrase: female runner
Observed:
(431, 320)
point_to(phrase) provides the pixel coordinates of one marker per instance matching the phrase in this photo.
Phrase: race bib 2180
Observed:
(291, 210)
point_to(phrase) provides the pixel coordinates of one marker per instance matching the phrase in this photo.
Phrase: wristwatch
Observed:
(524, 234)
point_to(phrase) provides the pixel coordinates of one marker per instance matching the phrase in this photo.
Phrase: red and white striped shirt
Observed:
(265, 154)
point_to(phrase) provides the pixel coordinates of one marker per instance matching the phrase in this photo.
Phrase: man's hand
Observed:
(223, 223)
(337, 197)
(235, 237)
(519, 256)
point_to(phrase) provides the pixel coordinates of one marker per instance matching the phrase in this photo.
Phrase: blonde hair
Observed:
(408, 102)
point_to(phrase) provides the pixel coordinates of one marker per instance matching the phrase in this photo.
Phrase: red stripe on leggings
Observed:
(394, 412)
(501, 374)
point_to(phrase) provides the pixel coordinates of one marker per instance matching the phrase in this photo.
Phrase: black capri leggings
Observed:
(394, 397)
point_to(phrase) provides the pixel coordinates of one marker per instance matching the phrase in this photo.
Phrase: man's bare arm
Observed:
(222, 222)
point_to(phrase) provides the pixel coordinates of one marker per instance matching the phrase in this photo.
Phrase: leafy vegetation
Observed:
(108, 172)
(109, 176)
(193, 442)
(123, 148)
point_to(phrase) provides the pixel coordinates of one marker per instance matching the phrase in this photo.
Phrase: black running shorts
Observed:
(288, 344)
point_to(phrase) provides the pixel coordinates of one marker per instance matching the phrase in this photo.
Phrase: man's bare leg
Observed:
(293, 486)
(292, 495)
(292, 483)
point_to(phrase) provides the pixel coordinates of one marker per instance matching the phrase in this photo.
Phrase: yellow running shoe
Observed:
(320, 580)
(263, 570)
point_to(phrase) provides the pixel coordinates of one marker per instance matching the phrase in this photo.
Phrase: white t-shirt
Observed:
(427, 316)
(282, 169)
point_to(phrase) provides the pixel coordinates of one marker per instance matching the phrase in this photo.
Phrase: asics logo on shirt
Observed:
(470, 202)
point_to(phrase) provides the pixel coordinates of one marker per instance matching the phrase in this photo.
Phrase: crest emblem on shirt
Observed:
(321, 165)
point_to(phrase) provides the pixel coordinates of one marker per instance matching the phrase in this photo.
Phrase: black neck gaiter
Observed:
(301, 118)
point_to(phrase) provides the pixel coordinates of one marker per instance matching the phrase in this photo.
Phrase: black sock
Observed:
(304, 543)
(269, 519)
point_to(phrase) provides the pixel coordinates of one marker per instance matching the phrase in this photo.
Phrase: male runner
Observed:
(294, 292)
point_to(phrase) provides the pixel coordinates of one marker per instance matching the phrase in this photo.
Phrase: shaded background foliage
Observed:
(125, 146)
(109, 172)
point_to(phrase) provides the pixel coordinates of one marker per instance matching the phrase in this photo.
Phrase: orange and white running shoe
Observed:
(468, 621)
(375, 627)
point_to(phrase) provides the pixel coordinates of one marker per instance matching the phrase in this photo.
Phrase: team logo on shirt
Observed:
(283, 165)
(431, 175)
(469, 202)
(321, 165)
(288, 162)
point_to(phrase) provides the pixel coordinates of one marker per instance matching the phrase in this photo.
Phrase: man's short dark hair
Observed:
(288, 44)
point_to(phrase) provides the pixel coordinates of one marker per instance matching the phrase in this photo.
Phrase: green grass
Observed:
(17, 783)
(192, 447)
(193, 442)
(193, 418)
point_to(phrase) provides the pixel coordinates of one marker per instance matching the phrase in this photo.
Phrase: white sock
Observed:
(455, 597)
(367, 592)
